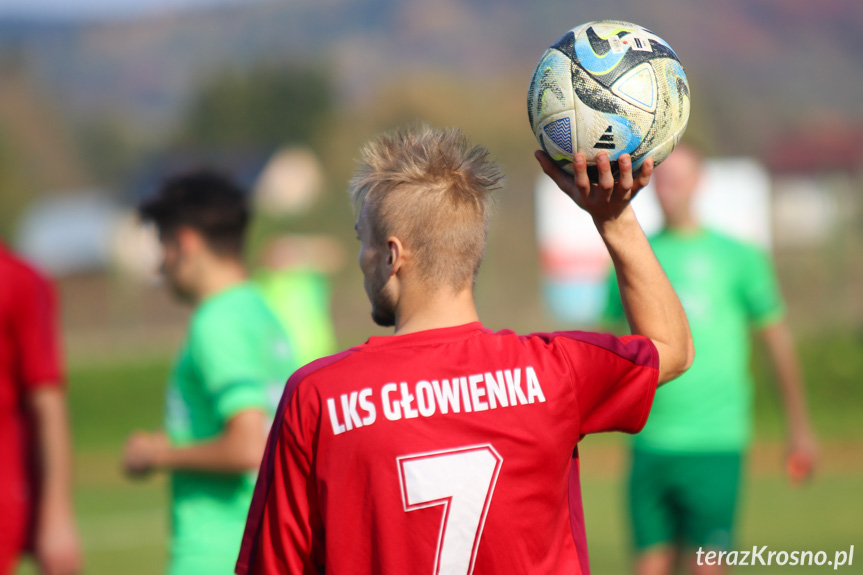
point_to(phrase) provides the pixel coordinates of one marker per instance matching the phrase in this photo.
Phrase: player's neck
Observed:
(221, 276)
(421, 311)
(685, 224)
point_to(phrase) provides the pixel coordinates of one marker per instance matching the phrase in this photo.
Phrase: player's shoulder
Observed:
(16, 269)
(22, 281)
(743, 255)
(318, 372)
(239, 305)
(636, 349)
(732, 243)
(540, 336)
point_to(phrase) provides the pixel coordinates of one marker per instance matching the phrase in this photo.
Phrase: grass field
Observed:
(124, 524)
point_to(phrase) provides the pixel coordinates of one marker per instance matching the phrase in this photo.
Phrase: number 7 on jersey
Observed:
(462, 481)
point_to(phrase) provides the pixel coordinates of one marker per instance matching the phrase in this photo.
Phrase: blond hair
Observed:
(431, 189)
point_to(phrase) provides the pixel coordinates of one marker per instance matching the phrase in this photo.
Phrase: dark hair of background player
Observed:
(206, 201)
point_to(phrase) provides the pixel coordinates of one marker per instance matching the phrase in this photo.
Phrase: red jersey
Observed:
(29, 357)
(447, 451)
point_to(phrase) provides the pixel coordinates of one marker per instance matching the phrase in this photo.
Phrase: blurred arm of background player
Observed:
(652, 307)
(56, 538)
(238, 449)
(802, 445)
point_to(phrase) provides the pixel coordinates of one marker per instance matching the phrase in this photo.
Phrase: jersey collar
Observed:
(426, 336)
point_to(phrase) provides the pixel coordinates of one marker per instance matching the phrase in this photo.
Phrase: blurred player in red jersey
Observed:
(447, 447)
(35, 453)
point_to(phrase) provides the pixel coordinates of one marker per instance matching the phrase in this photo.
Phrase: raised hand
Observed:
(606, 199)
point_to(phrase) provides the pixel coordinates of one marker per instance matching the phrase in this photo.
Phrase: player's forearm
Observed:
(652, 307)
(238, 450)
(791, 389)
(789, 380)
(48, 407)
(210, 456)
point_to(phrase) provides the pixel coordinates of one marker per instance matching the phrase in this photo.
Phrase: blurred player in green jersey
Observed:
(686, 463)
(295, 283)
(227, 378)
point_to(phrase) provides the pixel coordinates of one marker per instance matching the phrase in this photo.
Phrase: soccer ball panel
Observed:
(555, 136)
(551, 88)
(638, 87)
(605, 122)
(672, 112)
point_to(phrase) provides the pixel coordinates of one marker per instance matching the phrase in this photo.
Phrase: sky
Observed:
(95, 9)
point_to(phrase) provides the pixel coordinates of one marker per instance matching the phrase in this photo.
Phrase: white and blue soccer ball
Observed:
(608, 86)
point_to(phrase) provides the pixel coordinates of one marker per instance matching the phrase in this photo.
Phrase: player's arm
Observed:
(237, 450)
(57, 545)
(652, 308)
(229, 361)
(802, 449)
(56, 538)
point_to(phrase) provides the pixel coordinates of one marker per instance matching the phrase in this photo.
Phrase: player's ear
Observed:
(395, 254)
(189, 240)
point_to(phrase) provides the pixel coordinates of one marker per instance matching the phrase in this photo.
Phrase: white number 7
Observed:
(461, 480)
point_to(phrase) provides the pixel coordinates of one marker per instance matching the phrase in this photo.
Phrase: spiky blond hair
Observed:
(431, 189)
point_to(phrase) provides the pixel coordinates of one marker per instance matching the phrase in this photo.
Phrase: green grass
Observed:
(109, 401)
(124, 524)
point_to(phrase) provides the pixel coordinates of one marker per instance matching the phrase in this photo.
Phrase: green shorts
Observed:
(686, 500)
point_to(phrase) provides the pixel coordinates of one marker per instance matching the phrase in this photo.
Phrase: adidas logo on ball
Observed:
(606, 141)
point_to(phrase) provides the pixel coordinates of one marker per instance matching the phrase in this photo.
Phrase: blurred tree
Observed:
(36, 152)
(109, 148)
(13, 187)
(261, 108)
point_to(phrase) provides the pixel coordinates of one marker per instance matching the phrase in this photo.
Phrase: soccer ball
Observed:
(612, 86)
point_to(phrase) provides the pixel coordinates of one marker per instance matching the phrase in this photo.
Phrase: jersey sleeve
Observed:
(614, 379)
(284, 531)
(760, 289)
(38, 335)
(230, 365)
